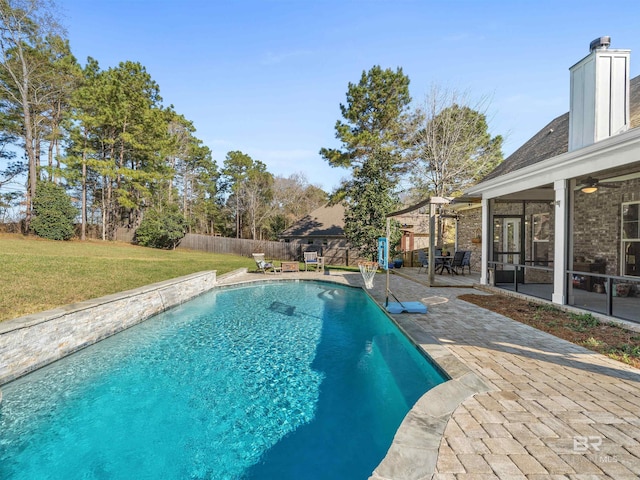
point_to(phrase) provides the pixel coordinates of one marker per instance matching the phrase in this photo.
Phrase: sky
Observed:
(267, 77)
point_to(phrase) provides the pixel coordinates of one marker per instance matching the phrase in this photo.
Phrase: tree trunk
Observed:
(83, 222)
(28, 145)
(104, 209)
(237, 216)
(50, 160)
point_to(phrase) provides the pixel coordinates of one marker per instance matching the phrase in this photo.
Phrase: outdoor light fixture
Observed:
(589, 189)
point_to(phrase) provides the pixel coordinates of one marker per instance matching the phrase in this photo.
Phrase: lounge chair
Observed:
(262, 265)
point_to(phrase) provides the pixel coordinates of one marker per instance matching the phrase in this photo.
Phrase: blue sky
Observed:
(267, 77)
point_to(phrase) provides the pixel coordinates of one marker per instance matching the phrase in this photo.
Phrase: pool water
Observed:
(281, 380)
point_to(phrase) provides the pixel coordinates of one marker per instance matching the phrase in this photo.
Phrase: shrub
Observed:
(583, 321)
(161, 227)
(54, 213)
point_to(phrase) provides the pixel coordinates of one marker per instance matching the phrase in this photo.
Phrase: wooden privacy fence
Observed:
(273, 250)
(242, 246)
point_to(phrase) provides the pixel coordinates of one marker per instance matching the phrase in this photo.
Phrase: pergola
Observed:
(433, 203)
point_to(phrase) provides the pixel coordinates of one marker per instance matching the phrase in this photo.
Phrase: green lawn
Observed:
(37, 275)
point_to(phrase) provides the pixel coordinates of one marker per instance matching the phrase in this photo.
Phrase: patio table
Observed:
(446, 263)
(290, 266)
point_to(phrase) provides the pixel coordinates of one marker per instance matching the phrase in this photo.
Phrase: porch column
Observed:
(561, 242)
(432, 243)
(486, 242)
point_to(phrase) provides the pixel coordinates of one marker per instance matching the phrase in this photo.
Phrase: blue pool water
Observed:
(278, 381)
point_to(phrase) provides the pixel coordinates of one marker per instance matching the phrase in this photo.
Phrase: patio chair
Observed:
(456, 263)
(466, 261)
(262, 265)
(423, 260)
(311, 259)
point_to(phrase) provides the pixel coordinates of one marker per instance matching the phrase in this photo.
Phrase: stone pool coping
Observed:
(414, 451)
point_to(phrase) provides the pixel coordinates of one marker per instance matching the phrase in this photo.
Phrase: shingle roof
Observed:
(327, 221)
(553, 139)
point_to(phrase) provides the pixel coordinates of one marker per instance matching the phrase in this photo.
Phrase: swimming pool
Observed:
(279, 380)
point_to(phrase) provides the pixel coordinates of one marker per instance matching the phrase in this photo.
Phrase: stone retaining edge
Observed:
(33, 341)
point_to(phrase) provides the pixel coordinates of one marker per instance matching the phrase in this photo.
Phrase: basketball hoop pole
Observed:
(387, 234)
(388, 290)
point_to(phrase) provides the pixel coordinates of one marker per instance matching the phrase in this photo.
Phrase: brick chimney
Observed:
(599, 95)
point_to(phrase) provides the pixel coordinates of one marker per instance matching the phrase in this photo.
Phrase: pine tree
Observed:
(373, 139)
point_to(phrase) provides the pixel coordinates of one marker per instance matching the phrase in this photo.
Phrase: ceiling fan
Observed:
(591, 184)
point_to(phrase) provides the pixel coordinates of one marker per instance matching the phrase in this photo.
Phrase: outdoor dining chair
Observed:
(311, 259)
(422, 260)
(466, 261)
(456, 263)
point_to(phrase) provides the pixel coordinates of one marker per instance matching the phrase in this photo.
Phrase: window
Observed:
(631, 238)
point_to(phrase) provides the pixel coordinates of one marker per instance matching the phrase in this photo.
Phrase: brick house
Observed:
(560, 217)
(323, 227)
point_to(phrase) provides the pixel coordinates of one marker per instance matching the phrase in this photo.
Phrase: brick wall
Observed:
(597, 223)
(469, 227)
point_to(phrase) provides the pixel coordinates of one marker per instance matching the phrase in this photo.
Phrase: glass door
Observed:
(507, 241)
(507, 247)
(511, 241)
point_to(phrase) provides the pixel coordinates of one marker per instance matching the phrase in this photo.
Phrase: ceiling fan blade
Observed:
(589, 182)
(622, 178)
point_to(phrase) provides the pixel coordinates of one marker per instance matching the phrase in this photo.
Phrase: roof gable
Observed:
(326, 221)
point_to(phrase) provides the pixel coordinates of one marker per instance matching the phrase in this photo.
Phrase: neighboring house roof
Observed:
(553, 139)
(327, 221)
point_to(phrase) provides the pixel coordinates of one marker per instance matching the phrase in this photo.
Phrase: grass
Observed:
(41, 274)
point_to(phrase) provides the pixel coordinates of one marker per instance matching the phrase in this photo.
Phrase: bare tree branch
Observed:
(451, 145)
